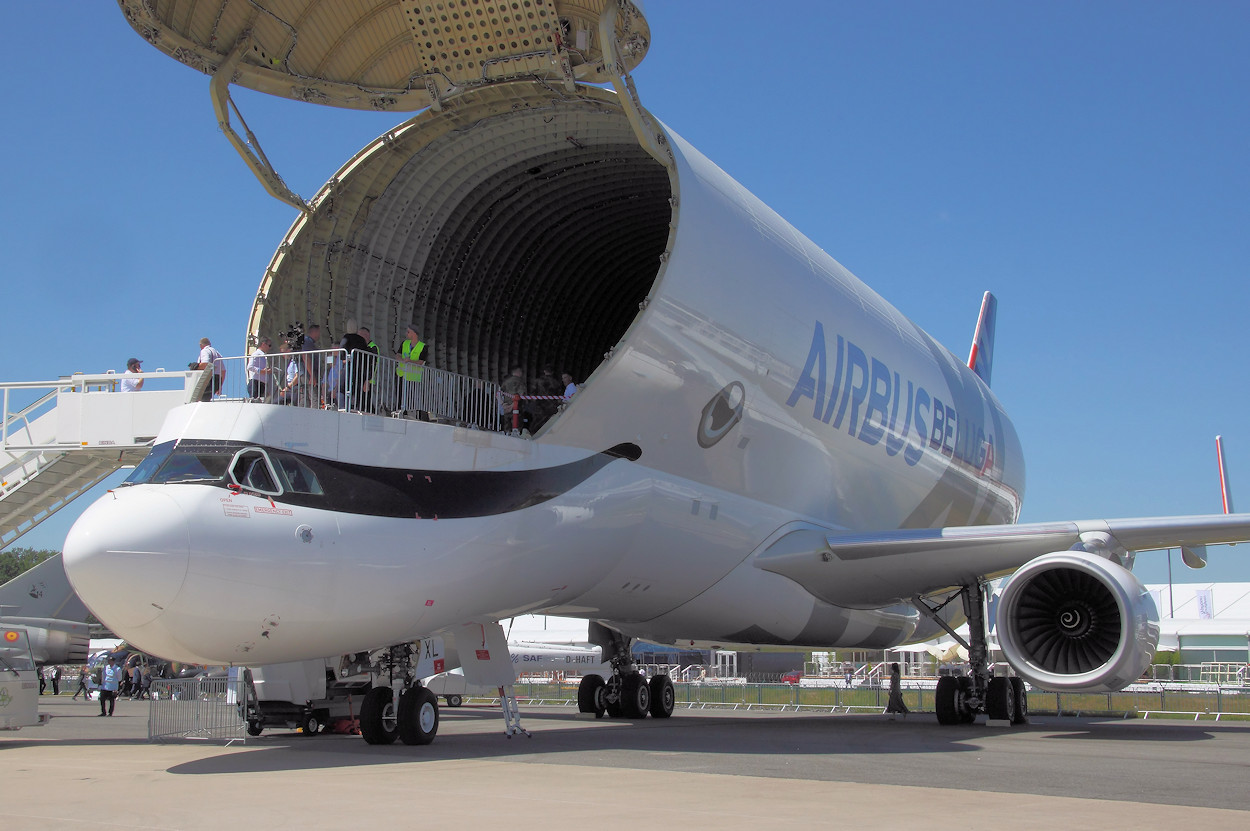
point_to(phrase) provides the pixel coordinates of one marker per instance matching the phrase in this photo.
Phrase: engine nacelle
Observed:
(55, 641)
(1074, 622)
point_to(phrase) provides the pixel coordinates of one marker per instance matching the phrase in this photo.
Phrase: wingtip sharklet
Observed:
(981, 357)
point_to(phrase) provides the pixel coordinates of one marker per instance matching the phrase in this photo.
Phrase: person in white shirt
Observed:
(258, 370)
(569, 386)
(131, 383)
(210, 356)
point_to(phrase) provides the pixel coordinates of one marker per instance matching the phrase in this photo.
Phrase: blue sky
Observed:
(1085, 161)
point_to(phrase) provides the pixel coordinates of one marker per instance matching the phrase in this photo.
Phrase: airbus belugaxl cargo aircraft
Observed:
(764, 450)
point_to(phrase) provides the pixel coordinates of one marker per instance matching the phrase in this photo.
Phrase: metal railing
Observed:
(333, 379)
(1215, 703)
(25, 402)
(210, 708)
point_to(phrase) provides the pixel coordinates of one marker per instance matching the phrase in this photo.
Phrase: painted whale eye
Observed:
(721, 414)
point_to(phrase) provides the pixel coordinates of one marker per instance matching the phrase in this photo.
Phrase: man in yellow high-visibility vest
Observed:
(409, 369)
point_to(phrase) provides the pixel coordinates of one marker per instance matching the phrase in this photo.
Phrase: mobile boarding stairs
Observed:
(60, 438)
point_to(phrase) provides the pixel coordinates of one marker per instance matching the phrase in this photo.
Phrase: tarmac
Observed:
(720, 769)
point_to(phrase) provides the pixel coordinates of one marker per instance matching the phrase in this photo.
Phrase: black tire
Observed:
(1021, 695)
(254, 728)
(418, 716)
(966, 714)
(635, 696)
(378, 721)
(590, 695)
(663, 696)
(454, 700)
(1000, 700)
(944, 700)
(311, 725)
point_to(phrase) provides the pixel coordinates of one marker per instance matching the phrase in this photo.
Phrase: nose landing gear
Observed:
(403, 709)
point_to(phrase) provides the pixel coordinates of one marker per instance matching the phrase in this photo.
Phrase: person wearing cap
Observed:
(131, 383)
(110, 682)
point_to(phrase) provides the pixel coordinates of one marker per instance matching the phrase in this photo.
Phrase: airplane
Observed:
(41, 601)
(764, 450)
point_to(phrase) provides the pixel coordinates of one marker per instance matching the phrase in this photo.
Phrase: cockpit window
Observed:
(192, 464)
(251, 470)
(295, 476)
(156, 457)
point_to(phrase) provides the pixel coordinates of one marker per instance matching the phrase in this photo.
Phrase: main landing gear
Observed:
(403, 710)
(627, 693)
(960, 698)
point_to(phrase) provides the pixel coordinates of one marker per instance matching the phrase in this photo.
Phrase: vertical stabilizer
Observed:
(43, 591)
(981, 358)
(1219, 458)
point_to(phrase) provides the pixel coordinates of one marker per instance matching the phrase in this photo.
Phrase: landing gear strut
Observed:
(959, 699)
(627, 693)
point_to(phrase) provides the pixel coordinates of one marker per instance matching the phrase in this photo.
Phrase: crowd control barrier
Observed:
(211, 708)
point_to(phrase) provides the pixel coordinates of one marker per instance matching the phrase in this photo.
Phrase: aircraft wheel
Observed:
(378, 722)
(1000, 700)
(635, 696)
(454, 701)
(966, 714)
(663, 696)
(1021, 695)
(944, 700)
(254, 728)
(312, 725)
(590, 695)
(418, 716)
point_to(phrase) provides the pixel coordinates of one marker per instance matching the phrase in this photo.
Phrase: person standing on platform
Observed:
(210, 357)
(258, 371)
(310, 375)
(409, 369)
(512, 386)
(131, 383)
(369, 402)
(354, 378)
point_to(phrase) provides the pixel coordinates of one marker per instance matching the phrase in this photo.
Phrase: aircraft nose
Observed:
(127, 556)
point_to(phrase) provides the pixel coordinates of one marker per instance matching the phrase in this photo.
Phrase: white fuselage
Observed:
(764, 389)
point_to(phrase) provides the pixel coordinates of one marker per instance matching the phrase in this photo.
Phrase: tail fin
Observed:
(981, 359)
(43, 591)
(1219, 458)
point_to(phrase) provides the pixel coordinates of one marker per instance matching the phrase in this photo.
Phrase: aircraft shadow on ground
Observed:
(602, 742)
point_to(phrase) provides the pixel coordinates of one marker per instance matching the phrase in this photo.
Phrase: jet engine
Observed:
(55, 641)
(1075, 622)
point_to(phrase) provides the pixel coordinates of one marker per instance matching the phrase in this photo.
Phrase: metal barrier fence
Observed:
(1214, 702)
(198, 708)
(360, 381)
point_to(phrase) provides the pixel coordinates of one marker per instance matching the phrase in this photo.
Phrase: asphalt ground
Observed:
(701, 769)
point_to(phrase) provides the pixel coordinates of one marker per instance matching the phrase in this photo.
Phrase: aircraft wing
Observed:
(876, 569)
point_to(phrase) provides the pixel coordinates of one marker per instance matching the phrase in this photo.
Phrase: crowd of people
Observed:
(295, 373)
